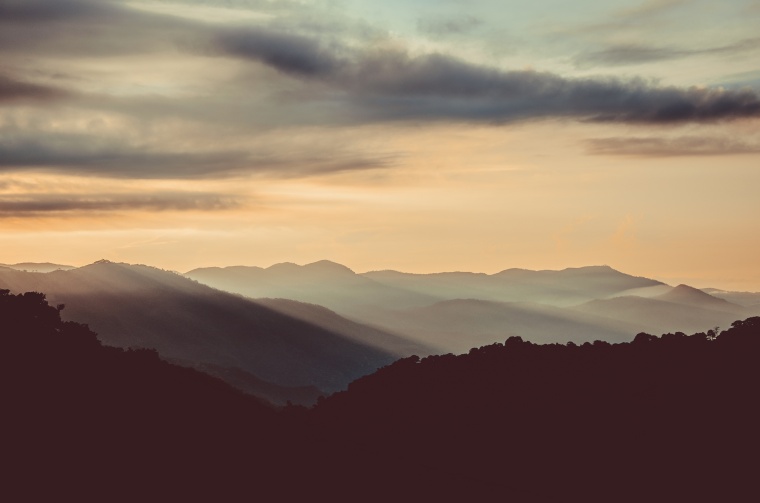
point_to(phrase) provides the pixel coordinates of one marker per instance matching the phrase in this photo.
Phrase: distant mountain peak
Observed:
(328, 265)
(283, 266)
(42, 267)
(685, 294)
(684, 289)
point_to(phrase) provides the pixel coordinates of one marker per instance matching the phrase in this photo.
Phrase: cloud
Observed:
(354, 82)
(85, 154)
(14, 91)
(627, 54)
(638, 16)
(31, 205)
(393, 85)
(89, 28)
(289, 53)
(670, 147)
(35, 11)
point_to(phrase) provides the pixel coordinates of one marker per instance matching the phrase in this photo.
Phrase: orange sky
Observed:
(194, 134)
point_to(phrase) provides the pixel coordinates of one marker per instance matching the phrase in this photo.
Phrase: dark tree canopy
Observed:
(660, 418)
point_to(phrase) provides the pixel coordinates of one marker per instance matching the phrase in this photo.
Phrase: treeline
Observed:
(660, 418)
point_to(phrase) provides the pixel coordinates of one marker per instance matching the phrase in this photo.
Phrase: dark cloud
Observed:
(330, 82)
(81, 154)
(30, 205)
(670, 147)
(36, 11)
(86, 154)
(627, 54)
(13, 91)
(90, 28)
(288, 53)
(392, 85)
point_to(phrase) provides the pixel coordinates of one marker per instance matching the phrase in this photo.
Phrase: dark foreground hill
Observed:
(671, 418)
(83, 420)
(658, 418)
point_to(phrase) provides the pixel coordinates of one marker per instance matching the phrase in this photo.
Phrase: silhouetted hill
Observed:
(663, 419)
(669, 418)
(140, 306)
(249, 383)
(84, 422)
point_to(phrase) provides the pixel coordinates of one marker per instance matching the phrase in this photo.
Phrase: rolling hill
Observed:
(455, 311)
(141, 306)
(325, 283)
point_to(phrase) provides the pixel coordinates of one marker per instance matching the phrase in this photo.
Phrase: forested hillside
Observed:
(660, 418)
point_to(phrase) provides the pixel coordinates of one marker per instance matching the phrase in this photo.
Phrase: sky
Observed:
(415, 135)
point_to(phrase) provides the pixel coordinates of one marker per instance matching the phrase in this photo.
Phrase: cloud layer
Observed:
(669, 147)
(281, 72)
(34, 205)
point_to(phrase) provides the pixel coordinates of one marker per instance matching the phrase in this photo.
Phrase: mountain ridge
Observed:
(138, 305)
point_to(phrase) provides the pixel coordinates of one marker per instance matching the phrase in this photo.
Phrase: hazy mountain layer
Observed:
(455, 311)
(560, 288)
(130, 305)
(747, 299)
(339, 288)
(38, 266)
(325, 283)
(657, 315)
(456, 326)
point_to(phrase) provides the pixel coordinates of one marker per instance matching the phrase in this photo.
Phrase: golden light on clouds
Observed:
(196, 133)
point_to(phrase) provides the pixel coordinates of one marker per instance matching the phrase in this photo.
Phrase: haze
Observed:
(416, 136)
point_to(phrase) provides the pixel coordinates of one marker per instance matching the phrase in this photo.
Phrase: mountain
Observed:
(141, 306)
(600, 421)
(560, 288)
(444, 312)
(654, 315)
(38, 266)
(689, 296)
(85, 418)
(340, 289)
(456, 326)
(672, 416)
(324, 283)
(746, 299)
(455, 311)
(366, 334)
(248, 383)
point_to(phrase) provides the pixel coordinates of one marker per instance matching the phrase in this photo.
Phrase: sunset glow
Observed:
(416, 136)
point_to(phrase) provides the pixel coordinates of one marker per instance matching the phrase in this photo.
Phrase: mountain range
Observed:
(226, 334)
(455, 311)
(292, 333)
(670, 416)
